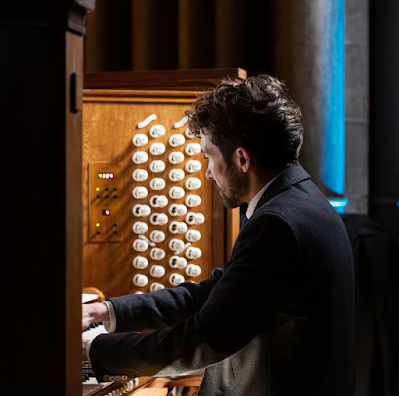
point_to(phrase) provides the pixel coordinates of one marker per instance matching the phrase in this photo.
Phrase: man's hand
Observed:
(92, 313)
(84, 354)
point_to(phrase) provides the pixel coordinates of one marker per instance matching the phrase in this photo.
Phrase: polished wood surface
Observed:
(182, 79)
(73, 215)
(110, 121)
(109, 124)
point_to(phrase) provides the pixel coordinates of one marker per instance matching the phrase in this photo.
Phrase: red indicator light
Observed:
(106, 212)
(106, 175)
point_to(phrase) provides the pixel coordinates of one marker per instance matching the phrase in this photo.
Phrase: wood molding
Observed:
(182, 79)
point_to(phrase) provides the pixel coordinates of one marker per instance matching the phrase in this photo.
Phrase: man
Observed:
(277, 319)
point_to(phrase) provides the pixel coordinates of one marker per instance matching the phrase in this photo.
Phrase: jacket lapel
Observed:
(292, 175)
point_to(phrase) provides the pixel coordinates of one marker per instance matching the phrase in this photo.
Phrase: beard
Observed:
(234, 188)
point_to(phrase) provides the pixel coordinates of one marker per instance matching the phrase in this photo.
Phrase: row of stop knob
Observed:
(158, 183)
(158, 166)
(175, 227)
(175, 157)
(192, 200)
(159, 130)
(175, 140)
(175, 279)
(191, 218)
(159, 148)
(175, 245)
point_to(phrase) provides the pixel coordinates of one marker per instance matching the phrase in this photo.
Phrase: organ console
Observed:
(151, 219)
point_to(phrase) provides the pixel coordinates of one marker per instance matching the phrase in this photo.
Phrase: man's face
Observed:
(229, 180)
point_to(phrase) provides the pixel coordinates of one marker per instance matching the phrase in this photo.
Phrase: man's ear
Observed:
(243, 158)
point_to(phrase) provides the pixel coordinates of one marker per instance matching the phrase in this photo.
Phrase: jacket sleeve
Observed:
(163, 308)
(243, 301)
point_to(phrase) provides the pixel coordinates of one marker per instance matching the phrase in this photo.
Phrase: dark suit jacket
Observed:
(276, 320)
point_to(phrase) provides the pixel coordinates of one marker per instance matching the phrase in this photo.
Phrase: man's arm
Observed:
(260, 275)
(164, 308)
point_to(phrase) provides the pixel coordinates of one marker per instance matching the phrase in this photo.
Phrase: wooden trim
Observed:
(183, 79)
(143, 96)
(74, 220)
(232, 230)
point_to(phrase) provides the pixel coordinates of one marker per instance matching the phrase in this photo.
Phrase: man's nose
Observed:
(208, 174)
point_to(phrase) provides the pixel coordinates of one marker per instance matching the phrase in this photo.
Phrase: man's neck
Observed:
(258, 180)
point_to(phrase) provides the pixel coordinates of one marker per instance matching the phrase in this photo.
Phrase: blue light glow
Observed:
(339, 204)
(333, 134)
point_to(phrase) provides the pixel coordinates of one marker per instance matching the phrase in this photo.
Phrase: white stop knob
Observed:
(193, 201)
(157, 236)
(163, 219)
(139, 227)
(140, 157)
(176, 175)
(176, 227)
(140, 245)
(177, 140)
(193, 253)
(193, 183)
(193, 270)
(193, 166)
(157, 183)
(176, 244)
(140, 192)
(140, 140)
(140, 175)
(156, 286)
(140, 262)
(176, 157)
(193, 149)
(157, 148)
(176, 279)
(158, 201)
(157, 271)
(157, 166)
(141, 210)
(157, 254)
(176, 192)
(195, 218)
(177, 262)
(140, 280)
(157, 131)
(188, 133)
(177, 209)
(159, 218)
(193, 235)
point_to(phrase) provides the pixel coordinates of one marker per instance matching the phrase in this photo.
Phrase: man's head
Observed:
(257, 114)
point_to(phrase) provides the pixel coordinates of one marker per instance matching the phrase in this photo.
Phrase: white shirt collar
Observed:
(257, 197)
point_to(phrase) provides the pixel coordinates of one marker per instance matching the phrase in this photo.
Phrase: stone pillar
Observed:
(309, 56)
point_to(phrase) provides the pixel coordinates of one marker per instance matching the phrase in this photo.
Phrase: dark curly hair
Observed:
(258, 114)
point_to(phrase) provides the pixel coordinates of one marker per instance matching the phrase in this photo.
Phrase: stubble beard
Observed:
(234, 190)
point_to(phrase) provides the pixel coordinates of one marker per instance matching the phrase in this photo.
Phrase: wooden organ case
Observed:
(151, 218)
